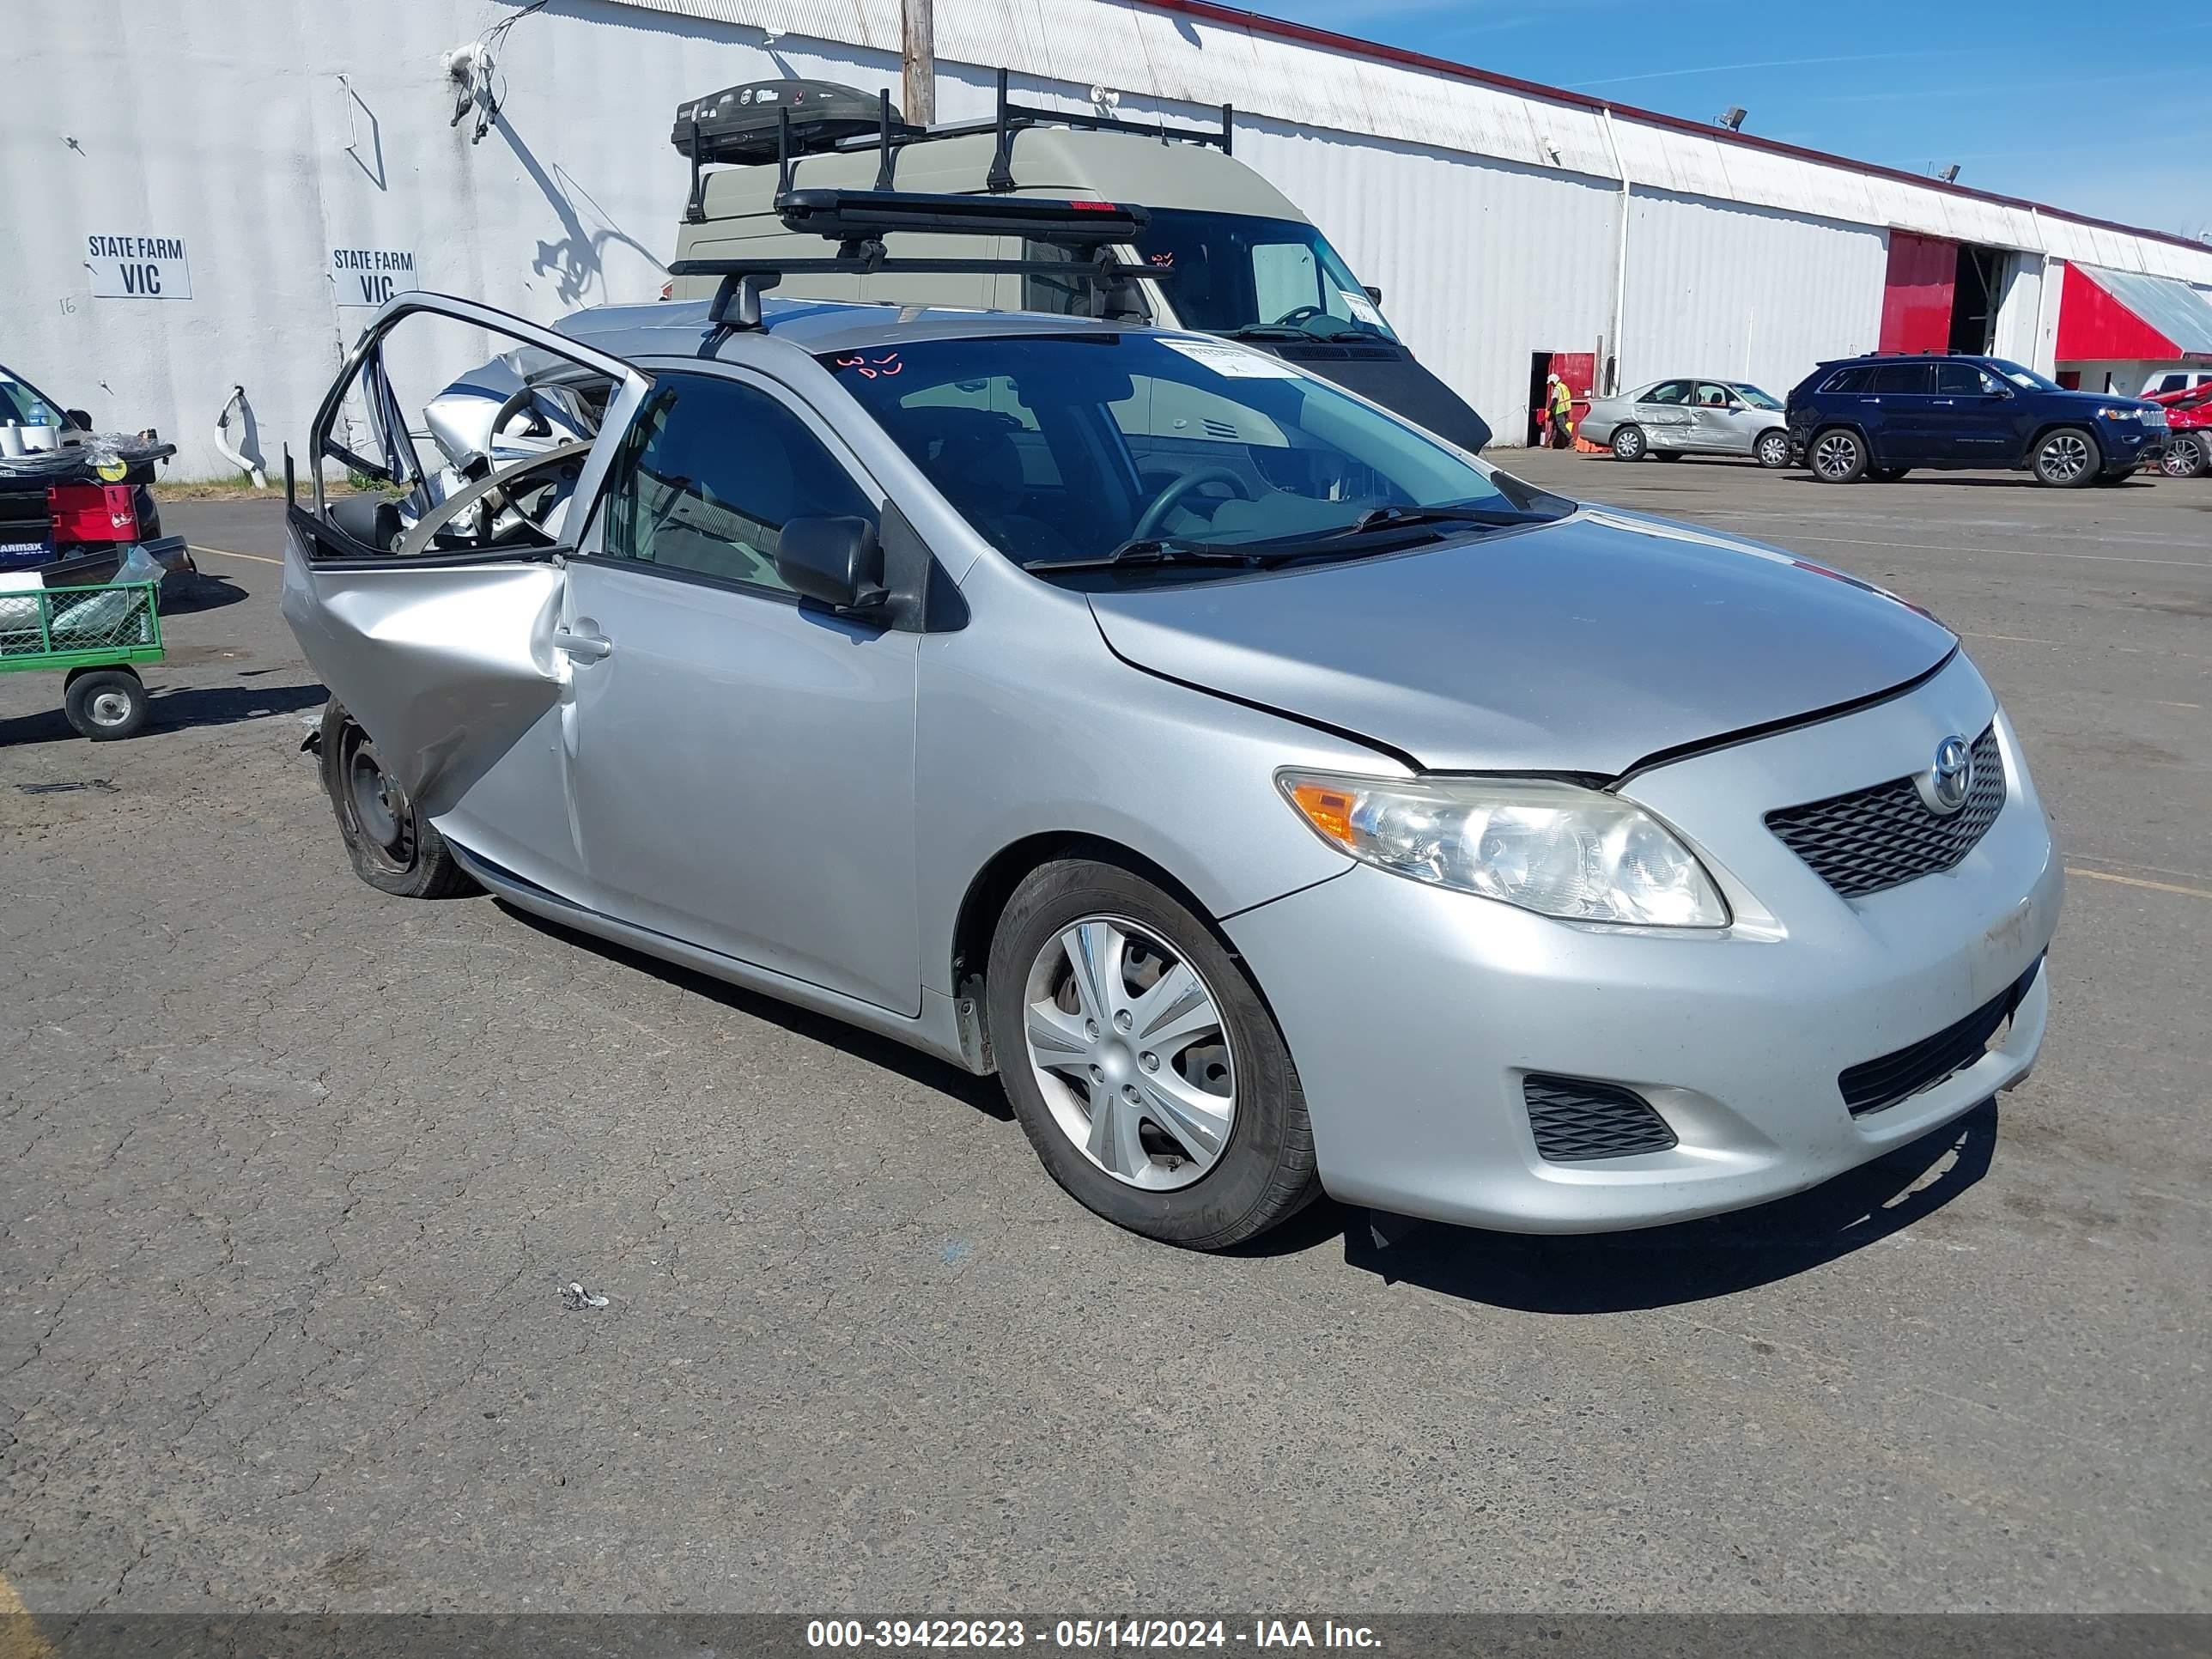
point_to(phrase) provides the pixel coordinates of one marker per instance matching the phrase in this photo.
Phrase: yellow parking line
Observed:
(2137, 881)
(19, 1637)
(225, 553)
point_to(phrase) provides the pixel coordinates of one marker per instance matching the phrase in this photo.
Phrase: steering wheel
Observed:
(1155, 514)
(1298, 314)
(522, 397)
(488, 498)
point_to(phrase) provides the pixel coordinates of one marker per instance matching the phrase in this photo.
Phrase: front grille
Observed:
(1885, 836)
(1875, 1084)
(1577, 1119)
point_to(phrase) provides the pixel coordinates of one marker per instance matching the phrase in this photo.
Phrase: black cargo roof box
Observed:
(739, 124)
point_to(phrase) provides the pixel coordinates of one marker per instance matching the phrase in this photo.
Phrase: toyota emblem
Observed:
(1945, 784)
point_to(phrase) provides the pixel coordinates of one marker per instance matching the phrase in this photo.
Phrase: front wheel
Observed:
(2186, 456)
(1839, 456)
(1628, 443)
(105, 704)
(394, 848)
(1141, 1062)
(1772, 449)
(2067, 458)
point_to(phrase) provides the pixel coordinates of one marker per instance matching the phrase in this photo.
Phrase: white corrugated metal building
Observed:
(257, 139)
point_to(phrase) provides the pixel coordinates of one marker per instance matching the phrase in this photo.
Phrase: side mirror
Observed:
(1373, 292)
(833, 561)
(77, 418)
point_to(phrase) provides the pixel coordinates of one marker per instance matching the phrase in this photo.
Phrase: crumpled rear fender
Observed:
(444, 667)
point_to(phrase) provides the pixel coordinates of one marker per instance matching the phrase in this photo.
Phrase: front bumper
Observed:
(2130, 444)
(1413, 1014)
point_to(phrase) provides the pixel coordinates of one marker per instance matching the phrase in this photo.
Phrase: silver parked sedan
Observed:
(1671, 418)
(1277, 799)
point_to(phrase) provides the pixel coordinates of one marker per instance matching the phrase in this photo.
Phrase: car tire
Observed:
(1058, 1050)
(1772, 449)
(105, 704)
(1628, 444)
(393, 848)
(2186, 456)
(1886, 474)
(1838, 455)
(2067, 458)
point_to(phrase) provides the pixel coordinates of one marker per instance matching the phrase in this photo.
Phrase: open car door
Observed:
(429, 597)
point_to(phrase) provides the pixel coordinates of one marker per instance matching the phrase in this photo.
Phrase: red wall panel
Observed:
(1915, 297)
(2093, 326)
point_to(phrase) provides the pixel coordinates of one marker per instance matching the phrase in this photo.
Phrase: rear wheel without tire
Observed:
(2067, 458)
(2186, 456)
(105, 703)
(1772, 449)
(393, 848)
(1145, 1069)
(1628, 443)
(1838, 456)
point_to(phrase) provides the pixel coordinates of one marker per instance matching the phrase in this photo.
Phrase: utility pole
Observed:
(918, 62)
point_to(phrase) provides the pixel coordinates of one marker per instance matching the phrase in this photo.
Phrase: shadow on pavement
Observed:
(171, 711)
(982, 1093)
(182, 595)
(1663, 1267)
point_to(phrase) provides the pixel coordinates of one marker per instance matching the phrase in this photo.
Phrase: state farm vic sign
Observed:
(133, 265)
(370, 276)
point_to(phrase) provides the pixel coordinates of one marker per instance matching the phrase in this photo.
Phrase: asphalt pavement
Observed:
(292, 1176)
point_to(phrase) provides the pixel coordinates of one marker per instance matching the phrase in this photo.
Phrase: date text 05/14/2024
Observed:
(1086, 1633)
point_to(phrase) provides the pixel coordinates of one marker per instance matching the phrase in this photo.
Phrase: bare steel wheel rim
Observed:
(1836, 455)
(1127, 1044)
(109, 707)
(2065, 456)
(376, 807)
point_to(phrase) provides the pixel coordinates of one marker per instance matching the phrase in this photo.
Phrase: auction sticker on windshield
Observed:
(1232, 361)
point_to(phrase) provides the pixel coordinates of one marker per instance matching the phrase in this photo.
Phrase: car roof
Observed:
(679, 328)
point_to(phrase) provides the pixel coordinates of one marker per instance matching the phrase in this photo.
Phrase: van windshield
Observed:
(1234, 271)
(1168, 453)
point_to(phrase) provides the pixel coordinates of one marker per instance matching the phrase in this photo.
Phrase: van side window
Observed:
(709, 475)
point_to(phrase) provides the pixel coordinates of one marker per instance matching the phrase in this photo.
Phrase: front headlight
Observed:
(1550, 848)
(2109, 413)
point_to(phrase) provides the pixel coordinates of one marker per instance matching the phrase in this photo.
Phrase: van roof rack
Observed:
(833, 125)
(1085, 233)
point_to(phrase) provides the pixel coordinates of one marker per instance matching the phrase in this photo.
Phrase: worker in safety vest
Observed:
(1561, 406)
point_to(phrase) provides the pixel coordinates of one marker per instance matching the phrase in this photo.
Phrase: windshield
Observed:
(1060, 448)
(1754, 397)
(1234, 271)
(2026, 378)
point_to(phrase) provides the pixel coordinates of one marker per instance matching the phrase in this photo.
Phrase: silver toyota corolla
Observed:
(1672, 418)
(1277, 799)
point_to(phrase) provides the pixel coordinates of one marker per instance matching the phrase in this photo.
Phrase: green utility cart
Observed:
(94, 634)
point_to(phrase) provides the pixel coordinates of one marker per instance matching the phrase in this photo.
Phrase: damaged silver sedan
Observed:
(1275, 797)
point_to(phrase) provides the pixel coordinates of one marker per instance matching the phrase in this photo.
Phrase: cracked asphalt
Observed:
(292, 1176)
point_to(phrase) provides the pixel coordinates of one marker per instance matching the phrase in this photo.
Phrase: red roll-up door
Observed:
(1915, 297)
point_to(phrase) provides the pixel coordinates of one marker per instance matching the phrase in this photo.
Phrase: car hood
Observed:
(1583, 645)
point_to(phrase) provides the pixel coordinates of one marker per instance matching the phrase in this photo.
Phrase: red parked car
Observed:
(2189, 432)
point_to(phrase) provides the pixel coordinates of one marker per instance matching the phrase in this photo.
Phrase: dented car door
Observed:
(450, 661)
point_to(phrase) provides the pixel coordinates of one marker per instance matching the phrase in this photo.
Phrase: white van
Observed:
(1235, 256)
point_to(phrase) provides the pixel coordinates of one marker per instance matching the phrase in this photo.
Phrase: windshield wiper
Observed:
(1267, 331)
(1149, 550)
(1395, 518)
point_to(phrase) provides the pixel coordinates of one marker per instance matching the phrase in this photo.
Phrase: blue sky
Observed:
(2033, 98)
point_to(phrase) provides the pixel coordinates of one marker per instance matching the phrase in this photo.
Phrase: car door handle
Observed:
(1945, 403)
(588, 646)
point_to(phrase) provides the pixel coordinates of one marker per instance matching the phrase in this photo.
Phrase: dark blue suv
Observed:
(1880, 416)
